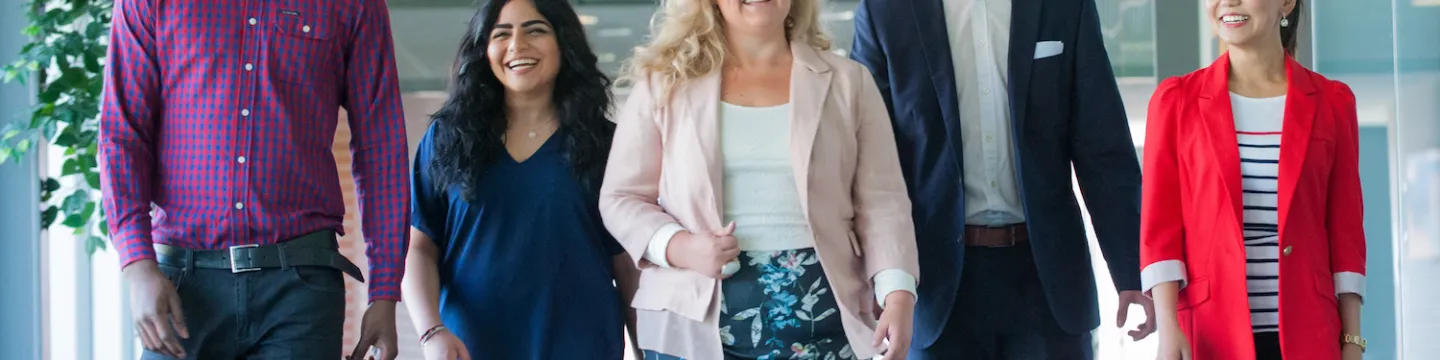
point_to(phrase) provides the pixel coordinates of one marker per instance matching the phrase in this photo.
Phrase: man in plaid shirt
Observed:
(222, 193)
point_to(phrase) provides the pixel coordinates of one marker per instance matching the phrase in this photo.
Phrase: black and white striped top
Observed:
(1258, 124)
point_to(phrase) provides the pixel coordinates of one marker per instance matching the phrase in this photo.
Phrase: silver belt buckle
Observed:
(235, 269)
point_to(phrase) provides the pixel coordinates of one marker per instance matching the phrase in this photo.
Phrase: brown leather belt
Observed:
(996, 236)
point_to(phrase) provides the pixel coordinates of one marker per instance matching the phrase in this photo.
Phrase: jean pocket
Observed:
(318, 278)
(175, 274)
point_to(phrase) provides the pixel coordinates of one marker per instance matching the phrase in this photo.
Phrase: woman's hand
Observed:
(704, 253)
(1351, 352)
(896, 324)
(1173, 344)
(445, 346)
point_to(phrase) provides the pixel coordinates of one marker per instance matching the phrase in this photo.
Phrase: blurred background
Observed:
(60, 301)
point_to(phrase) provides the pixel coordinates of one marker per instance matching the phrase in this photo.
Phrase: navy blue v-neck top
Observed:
(525, 268)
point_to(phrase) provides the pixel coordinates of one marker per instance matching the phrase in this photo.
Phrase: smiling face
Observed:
(1248, 23)
(754, 16)
(523, 51)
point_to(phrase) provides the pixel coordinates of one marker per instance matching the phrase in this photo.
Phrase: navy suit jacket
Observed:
(1065, 111)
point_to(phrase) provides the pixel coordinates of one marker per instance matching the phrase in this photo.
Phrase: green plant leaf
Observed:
(31, 31)
(95, 244)
(48, 216)
(70, 167)
(93, 179)
(76, 202)
(104, 227)
(50, 184)
(22, 146)
(5, 154)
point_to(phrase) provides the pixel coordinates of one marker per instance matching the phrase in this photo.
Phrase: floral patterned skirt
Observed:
(779, 306)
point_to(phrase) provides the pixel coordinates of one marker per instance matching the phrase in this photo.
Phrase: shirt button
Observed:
(982, 44)
(992, 184)
(305, 28)
(244, 112)
(253, 21)
(249, 67)
(985, 91)
(239, 206)
(240, 159)
(1287, 250)
(989, 138)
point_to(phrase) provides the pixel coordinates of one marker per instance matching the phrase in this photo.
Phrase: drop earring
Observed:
(1284, 22)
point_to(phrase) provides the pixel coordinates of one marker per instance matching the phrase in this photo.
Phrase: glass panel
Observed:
(1353, 43)
(1417, 134)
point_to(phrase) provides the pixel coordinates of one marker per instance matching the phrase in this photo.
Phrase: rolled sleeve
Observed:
(891, 280)
(655, 251)
(1162, 272)
(1350, 283)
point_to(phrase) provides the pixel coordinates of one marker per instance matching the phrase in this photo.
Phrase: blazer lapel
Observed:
(1024, 32)
(809, 86)
(934, 42)
(704, 95)
(1300, 105)
(1220, 126)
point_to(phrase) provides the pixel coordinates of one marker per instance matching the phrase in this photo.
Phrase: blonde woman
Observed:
(754, 180)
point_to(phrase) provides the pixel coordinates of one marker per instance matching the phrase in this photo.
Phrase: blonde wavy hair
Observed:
(687, 41)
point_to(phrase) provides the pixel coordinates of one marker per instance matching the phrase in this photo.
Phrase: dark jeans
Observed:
(1001, 313)
(1267, 345)
(285, 313)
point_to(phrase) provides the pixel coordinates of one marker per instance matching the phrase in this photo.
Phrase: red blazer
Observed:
(1191, 218)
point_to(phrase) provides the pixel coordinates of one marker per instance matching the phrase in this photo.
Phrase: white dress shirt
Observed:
(979, 32)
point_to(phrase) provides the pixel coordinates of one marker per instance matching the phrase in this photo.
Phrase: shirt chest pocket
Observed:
(302, 50)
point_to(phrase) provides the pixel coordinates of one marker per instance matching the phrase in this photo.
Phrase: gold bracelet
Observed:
(1353, 339)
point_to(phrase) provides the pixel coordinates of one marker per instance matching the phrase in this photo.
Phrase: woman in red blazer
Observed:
(1251, 238)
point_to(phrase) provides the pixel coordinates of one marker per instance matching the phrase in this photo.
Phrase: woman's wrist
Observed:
(431, 333)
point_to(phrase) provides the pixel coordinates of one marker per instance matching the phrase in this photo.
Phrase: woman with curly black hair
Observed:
(508, 254)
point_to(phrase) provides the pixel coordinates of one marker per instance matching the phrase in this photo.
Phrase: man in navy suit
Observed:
(993, 102)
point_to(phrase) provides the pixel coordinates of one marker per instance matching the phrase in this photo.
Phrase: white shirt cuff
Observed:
(1162, 272)
(655, 251)
(1350, 283)
(892, 280)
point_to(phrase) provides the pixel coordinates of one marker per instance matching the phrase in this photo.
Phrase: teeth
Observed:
(753, 1)
(521, 62)
(1234, 18)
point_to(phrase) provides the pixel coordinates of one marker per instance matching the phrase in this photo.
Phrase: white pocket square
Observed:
(1045, 49)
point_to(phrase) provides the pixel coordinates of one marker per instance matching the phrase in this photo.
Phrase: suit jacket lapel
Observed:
(1024, 33)
(1300, 105)
(809, 86)
(702, 108)
(1220, 126)
(934, 41)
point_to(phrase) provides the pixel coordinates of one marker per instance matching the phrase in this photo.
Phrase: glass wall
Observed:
(1417, 74)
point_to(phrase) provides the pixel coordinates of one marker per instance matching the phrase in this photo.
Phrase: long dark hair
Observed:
(1289, 33)
(468, 128)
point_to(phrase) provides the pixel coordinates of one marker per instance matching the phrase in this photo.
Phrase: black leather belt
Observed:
(314, 249)
(997, 236)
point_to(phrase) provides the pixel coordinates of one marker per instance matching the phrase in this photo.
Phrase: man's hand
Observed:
(156, 307)
(378, 330)
(896, 324)
(1135, 297)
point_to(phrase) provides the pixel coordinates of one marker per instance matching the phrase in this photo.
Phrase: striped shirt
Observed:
(1258, 124)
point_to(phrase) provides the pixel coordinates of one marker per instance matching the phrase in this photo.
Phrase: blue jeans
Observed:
(285, 313)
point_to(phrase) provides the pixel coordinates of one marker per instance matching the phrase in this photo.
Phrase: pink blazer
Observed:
(665, 167)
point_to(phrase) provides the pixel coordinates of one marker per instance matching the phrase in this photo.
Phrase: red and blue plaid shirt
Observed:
(219, 117)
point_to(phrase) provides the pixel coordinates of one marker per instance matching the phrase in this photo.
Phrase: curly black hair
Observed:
(468, 129)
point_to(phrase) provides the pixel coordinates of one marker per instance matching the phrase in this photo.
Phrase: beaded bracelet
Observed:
(431, 333)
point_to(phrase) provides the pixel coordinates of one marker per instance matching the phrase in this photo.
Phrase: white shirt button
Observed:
(985, 91)
(253, 21)
(989, 138)
(305, 28)
(249, 67)
(244, 112)
(981, 44)
(239, 206)
(240, 159)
